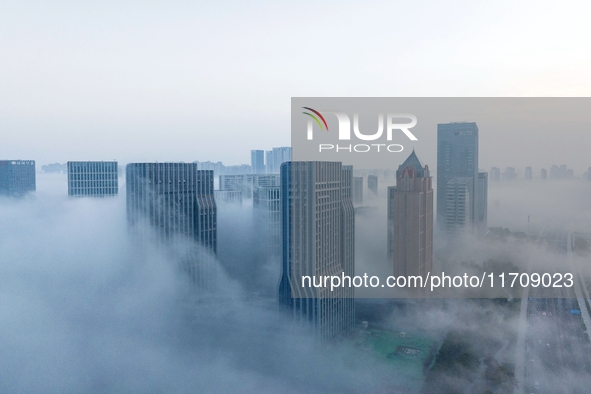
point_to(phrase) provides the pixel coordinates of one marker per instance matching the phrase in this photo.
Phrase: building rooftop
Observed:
(413, 161)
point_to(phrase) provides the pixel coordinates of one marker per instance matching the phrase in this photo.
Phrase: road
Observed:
(557, 356)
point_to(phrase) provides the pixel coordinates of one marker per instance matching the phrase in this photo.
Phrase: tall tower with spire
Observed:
(410, 219)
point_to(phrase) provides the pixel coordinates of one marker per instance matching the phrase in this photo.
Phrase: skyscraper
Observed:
(257, 161)
(92, 178)
(17, 177)
(318, 224)
(358, 190)
(457, 156)
(410, 219)
(175, 200)
(372, 184)
(482, 201)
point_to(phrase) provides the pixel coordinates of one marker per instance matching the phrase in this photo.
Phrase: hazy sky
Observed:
(184, 81)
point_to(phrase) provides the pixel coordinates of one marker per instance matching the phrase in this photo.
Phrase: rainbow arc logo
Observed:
(316, 118)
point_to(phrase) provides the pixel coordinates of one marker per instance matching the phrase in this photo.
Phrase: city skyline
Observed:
(243, 197)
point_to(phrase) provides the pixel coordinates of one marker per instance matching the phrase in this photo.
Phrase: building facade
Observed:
(457, 156)
(92, 178)
(358, 190)
(459, 205)
(482, 201)
(318, 227)
(175, 200)
(267, 210)
(228, 197)
(17, 177)
(246, 183)
(410, 219)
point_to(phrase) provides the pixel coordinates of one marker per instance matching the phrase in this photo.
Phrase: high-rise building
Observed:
(410, 219)
(175, 200)
(589, 173)
(257, 161)
(528, 174)
(246, 183)
(17, 177)
(267, 209)
(92, 178)
(372, 184)
(459, 205)
(544, 174)
(482, 201)
(358, 190)
(457, 157)
(495, 174)
(318, 225)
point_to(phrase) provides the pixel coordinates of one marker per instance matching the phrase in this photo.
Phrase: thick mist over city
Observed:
(295, 197)
(85, 310)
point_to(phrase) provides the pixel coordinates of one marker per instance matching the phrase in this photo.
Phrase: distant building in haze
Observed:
(544, 174)
(17, 177)
(246, 183)
(318, 225)
(482, 201)
(276, 157)
(55, 168)
(528, 174)
(257, 161)
(495, 174)
(410, 219)
(510, 174)
(228, 197)
(561, 172)
(267, 209)
(93, 178)
(358, 190)
(372, 184)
